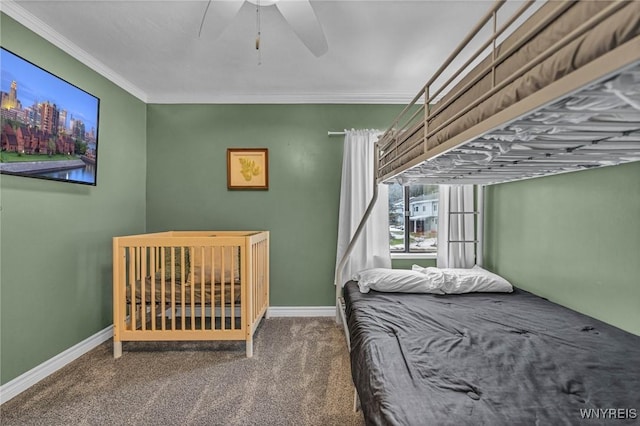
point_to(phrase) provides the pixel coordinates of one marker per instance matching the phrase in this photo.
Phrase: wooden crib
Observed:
(189, 285)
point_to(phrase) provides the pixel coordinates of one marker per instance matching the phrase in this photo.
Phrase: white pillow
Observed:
(458, 280)
(494, 281)
(394, 280)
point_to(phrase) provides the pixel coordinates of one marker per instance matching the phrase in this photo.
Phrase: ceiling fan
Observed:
(298, 13)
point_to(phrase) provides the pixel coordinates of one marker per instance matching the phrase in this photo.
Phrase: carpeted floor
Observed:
(299, 375)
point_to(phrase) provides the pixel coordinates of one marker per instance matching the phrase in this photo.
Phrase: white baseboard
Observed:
(23, 382)
(302, 311)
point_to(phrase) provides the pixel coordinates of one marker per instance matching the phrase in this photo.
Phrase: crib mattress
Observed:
(486, 358)
(189, 289)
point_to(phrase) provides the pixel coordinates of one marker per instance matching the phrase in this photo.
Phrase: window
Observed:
(411, 229)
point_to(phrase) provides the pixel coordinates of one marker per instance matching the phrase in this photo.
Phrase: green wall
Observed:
(187, 189)
(55, 238)
(572, 238)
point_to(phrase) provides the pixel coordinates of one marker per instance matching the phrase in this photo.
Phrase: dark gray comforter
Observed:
(488, 359)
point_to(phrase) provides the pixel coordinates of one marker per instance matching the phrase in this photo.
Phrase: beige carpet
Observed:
(299, 375)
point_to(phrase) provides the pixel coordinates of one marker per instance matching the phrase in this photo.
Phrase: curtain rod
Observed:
(330, 133)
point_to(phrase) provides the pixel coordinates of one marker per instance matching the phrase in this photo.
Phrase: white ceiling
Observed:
(379, 51)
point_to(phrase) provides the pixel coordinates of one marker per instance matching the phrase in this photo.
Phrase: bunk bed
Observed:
(555, 88)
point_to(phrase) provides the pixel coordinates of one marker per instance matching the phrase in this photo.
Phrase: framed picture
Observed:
(247, 168)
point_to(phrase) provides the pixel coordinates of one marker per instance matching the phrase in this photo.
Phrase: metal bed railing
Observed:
(410, 128)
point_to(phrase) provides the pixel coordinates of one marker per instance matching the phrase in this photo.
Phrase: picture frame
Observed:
(248, 168)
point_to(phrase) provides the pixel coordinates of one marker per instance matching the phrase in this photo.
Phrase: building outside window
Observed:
(413, 218)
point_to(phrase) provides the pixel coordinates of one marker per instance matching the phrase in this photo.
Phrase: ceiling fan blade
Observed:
(302, 19)
(218, 15)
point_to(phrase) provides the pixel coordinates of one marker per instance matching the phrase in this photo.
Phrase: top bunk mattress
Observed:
(459, 110)
(487, 358)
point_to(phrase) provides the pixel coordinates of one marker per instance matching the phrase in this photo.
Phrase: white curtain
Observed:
(456, 227)
(372, 247)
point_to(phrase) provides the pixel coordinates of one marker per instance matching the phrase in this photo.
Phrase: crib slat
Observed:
(203, 284)
(192, 293)
(222, 267)
(235, 297)
(173, 287)
(133, 255)
(264, 280)
(260, 275)
(137, 262)
(256, 279)
(182, 291)
(163, 321)
(232, 289)
(152, 273)
(259, 287)
(119, 280)
(252, 309)
(143, 285)
(203, 275)
(254, 288)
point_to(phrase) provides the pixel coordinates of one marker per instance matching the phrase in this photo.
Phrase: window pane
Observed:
(420, 225)
(423, 222)
(396, 218)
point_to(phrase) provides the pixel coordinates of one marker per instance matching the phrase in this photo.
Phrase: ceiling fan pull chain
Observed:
(259, 32)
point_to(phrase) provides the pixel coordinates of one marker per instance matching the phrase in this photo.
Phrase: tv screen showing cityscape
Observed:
(49, 126)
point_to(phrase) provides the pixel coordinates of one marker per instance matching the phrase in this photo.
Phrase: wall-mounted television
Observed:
(49, 126)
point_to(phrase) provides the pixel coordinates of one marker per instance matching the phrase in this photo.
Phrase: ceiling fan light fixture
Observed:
(299, 14)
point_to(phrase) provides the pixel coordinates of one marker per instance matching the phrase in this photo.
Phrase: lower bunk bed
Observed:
(190, 285)
(487, 359)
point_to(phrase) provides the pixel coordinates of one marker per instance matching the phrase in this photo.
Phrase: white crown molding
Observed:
(275, 98)
(12, 9)
(23, 382)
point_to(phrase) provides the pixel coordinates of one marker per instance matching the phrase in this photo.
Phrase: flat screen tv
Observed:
(49, 126)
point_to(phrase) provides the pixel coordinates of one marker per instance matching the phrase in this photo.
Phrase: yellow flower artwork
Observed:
(247, 168)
